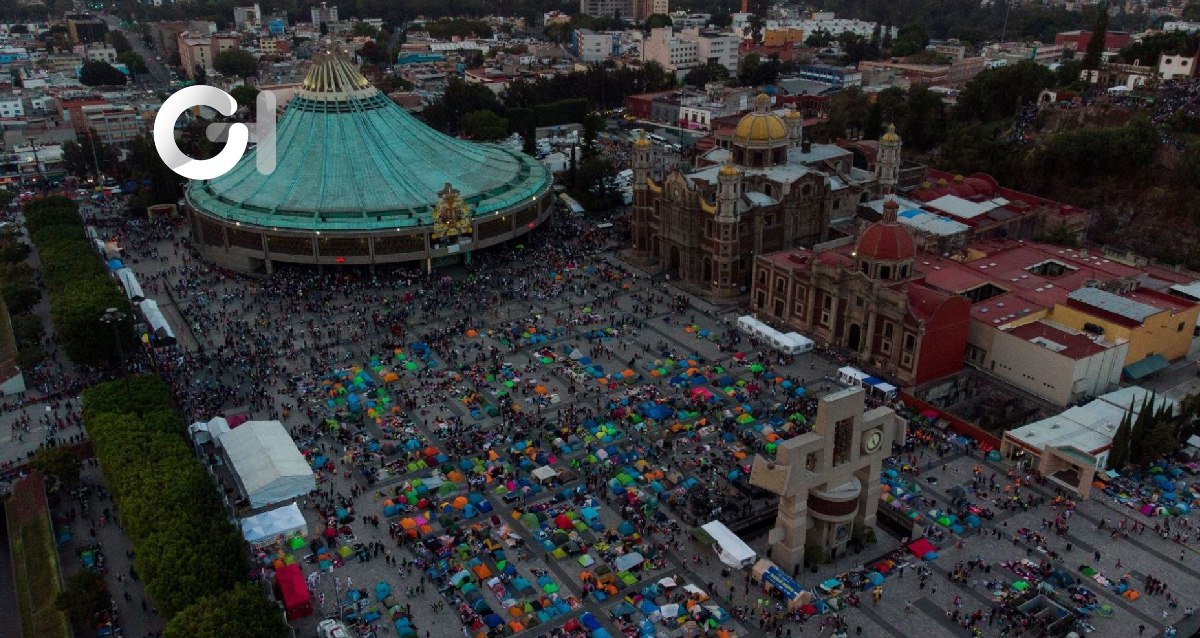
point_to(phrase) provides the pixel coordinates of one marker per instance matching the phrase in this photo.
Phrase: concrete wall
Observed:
(1059, 379)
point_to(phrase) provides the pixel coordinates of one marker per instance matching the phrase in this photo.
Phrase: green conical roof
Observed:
(348, 158)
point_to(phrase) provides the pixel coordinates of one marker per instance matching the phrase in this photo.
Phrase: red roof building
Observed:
(1078, 40)
(867, 299)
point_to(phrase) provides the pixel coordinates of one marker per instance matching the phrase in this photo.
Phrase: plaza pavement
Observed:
(1141, 555)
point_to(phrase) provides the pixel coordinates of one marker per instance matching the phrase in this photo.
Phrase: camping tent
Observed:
(293, 591)
(205, 432)
(266, 464)
(274, 525)
(732, 550)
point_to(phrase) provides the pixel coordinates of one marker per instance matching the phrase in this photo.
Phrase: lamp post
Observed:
(112, 317)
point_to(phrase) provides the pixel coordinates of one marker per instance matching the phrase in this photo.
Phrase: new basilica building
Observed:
(763, 189)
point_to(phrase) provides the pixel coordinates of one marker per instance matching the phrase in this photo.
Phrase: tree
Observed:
(1096, 42)
(242, 611)
(76, 313)
(657, 21)
(701, 75)
(363, 30)
(1140, 432)
(118, 41)
(998, 93)
(373, 52)
(245, 94)
(1067, 73)
(484, 126)
(874, 126)
(17, 289)
(457, 100)
(100, 74)
(85, 597)
(6, 197)
(132, 61)
(61, 462)
(1147, 50)
(78, 158)
(236, 63)
(1118, 456)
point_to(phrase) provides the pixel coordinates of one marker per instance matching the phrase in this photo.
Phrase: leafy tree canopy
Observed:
(101, 74)
(236, 63)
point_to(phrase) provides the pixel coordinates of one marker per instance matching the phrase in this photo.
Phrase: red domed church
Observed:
(868, 299)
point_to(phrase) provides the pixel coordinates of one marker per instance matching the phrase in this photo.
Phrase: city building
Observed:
(1070, 448)
(100, 53)
(1012, 282)
(828, 479)
(993, 211)
(247, 18)
(607, 8)
(198, 51)
(670, 50)
(679, 50)
(1186, 27)
(323, 16)
(84, 28)
(590, 46)
(114, 124)
(955, 73)
(1177, 67)
(1058, 364)
(12, 106)
(643, 9)
(1078, 40)
(837, 77)
(69, 106)
(763, 189)
(869, 298)
(404, 193)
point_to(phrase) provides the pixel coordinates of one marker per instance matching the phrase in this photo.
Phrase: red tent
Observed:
(563, 522)
(921, 547)
(293, 591)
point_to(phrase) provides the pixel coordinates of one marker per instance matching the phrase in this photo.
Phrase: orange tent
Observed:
(408, 523)
(482, 572)
(459, 503)
(472, 333)
(455, 476)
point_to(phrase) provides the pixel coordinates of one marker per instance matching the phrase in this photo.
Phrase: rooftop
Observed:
(1114, 304)
(1072, 345)
(351, 159)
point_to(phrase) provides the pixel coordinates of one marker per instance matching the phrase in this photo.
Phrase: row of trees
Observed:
(192, 560)
(545, 102)
(79, 286)
(1156, 432)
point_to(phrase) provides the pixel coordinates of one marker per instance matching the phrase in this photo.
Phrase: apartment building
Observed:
(114, 124)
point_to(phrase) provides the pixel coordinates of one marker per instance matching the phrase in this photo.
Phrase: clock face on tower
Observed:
(872, 441)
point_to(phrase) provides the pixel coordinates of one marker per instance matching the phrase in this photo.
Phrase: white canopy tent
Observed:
(266, 464)
(274, 525)
(209, 432)
(157, 322)
(133, 290)
(731, 549)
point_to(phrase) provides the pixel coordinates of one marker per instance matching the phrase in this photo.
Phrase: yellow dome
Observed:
(763, 99)
(891, 135)
(792, 114)
(761, 127)
(729, 170)
(642, 140)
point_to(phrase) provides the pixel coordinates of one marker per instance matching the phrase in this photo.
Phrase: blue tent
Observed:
(589, 621)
